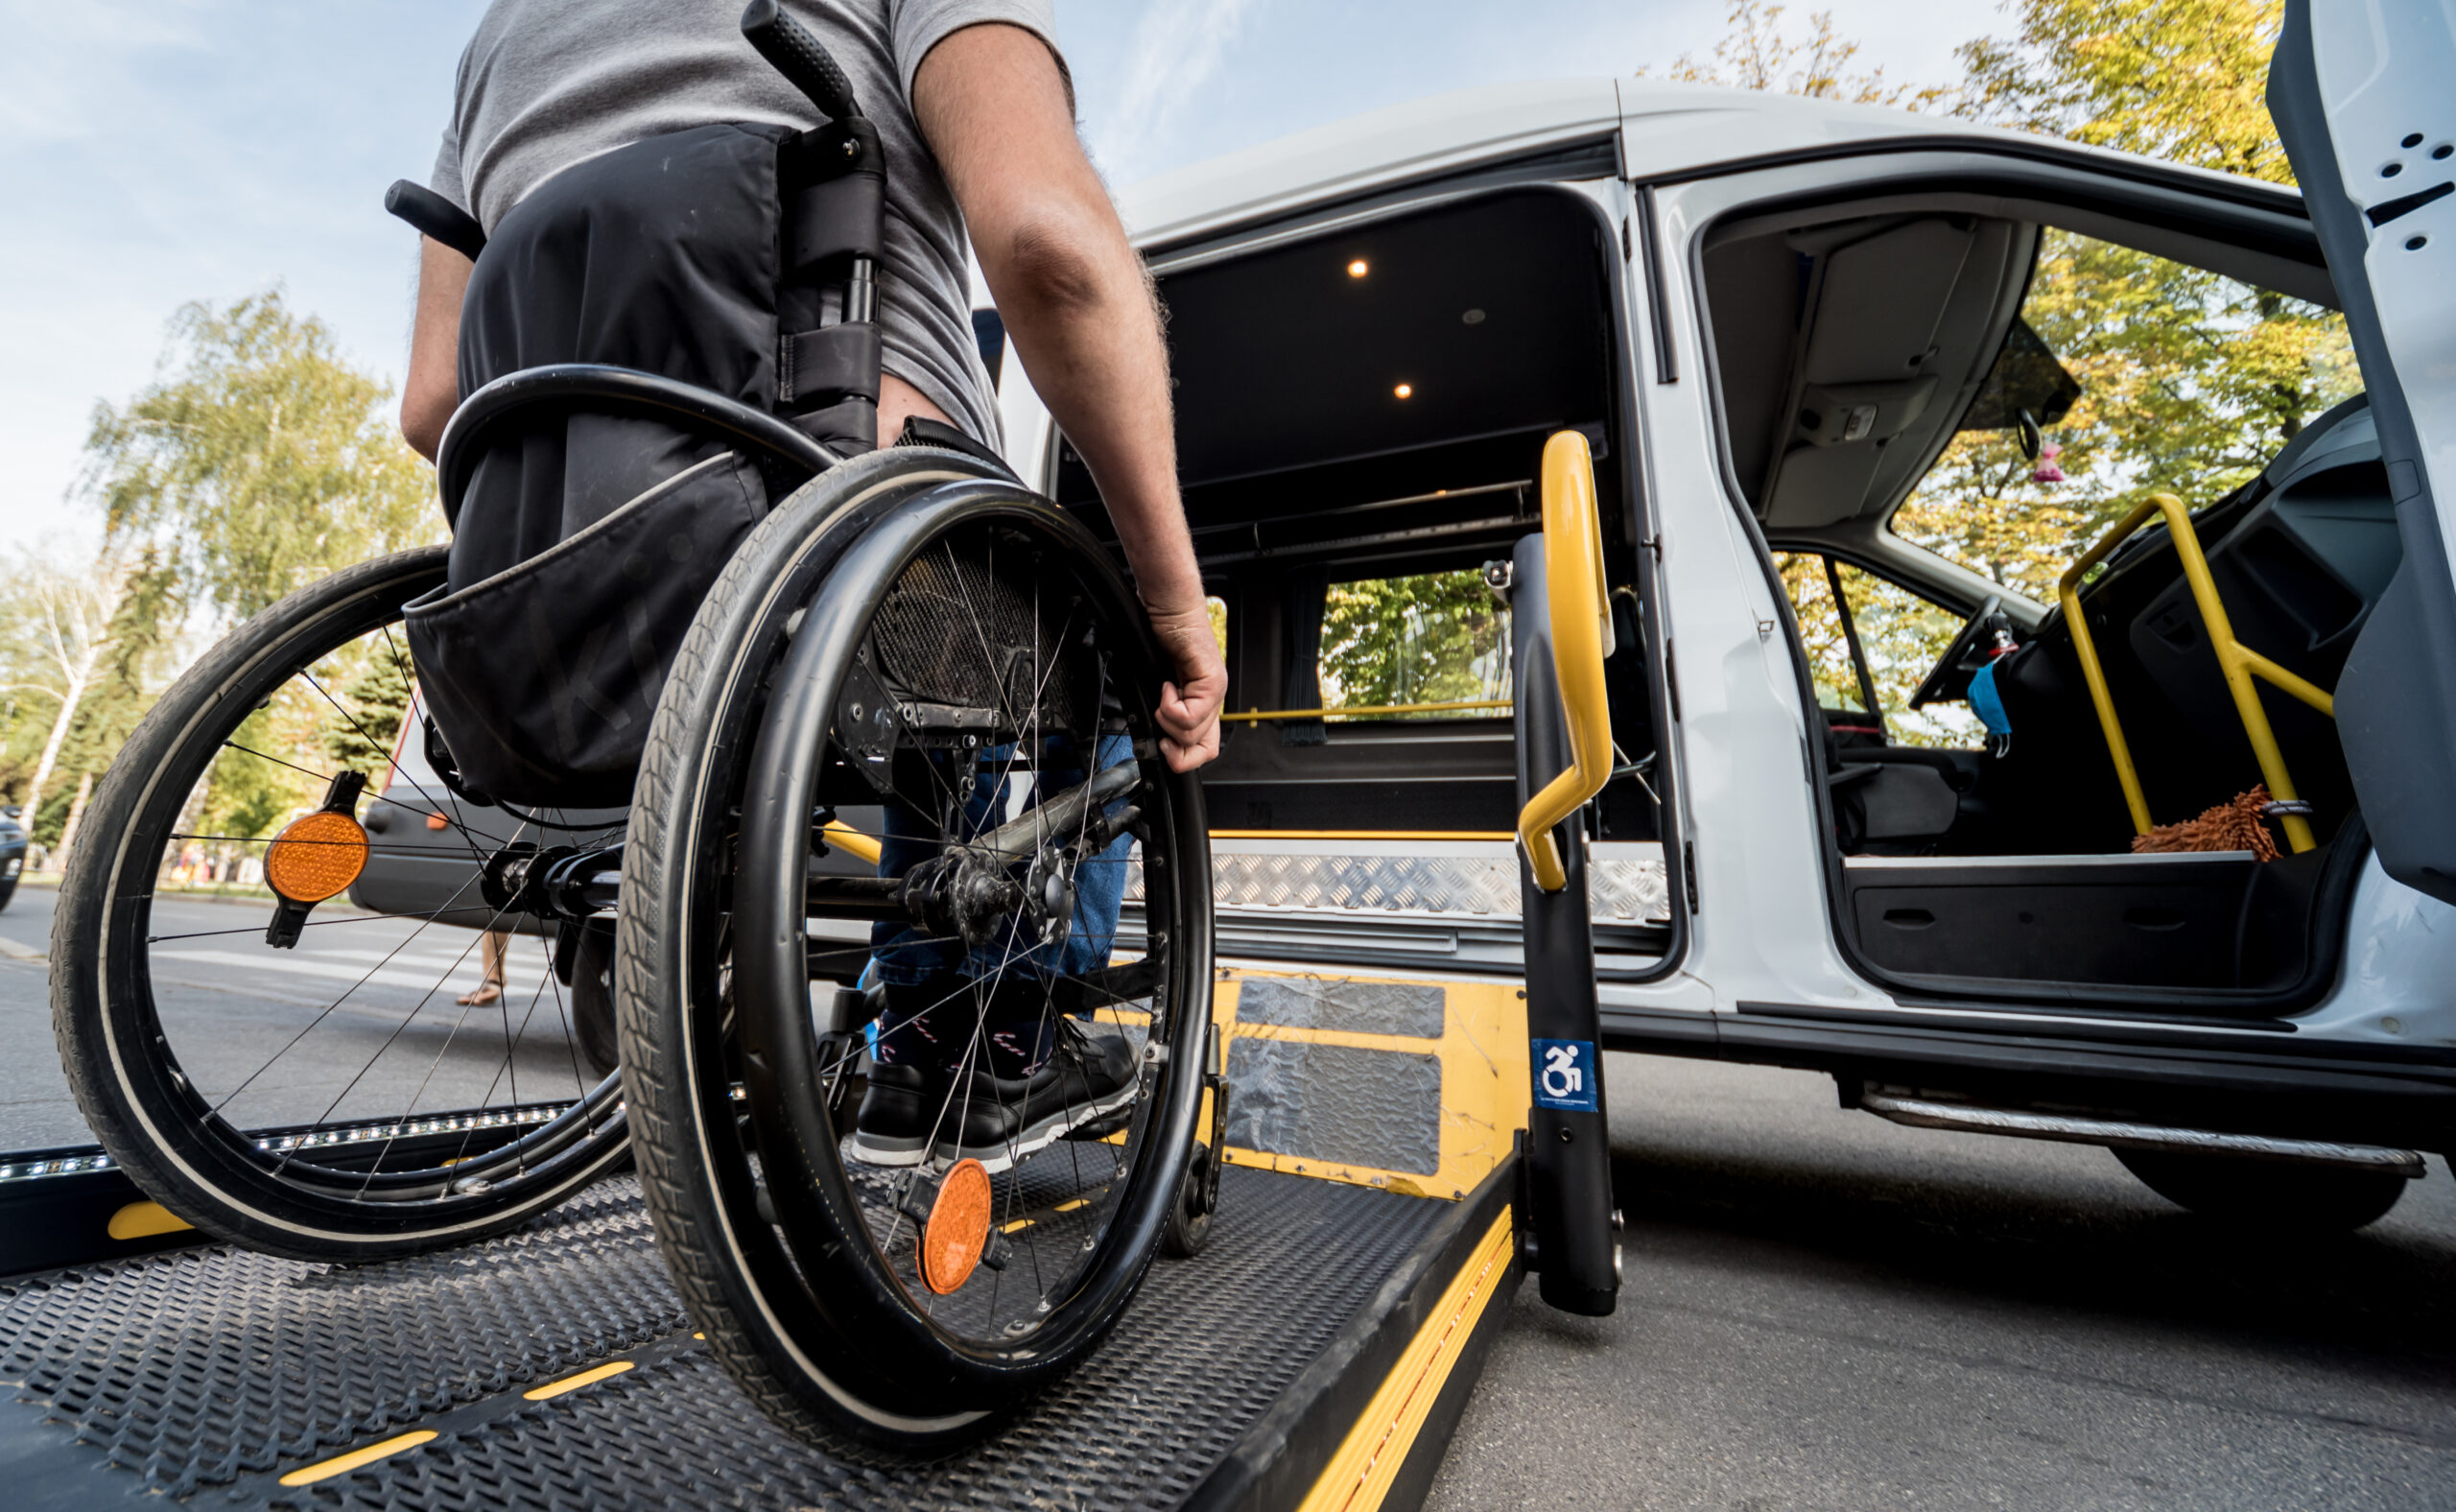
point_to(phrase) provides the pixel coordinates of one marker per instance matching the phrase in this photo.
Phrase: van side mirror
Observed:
(1579, 610)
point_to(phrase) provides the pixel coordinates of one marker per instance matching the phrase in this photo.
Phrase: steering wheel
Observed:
(1950, 678)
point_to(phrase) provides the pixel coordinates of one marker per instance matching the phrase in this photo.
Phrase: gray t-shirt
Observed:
(547, 84)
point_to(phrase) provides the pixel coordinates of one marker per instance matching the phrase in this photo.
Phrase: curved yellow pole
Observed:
(1581, 622)
(2239, 662)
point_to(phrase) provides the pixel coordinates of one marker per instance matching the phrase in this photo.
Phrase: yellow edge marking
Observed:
(586, 1378)
(1016, 1227)
(1363, 834)
(1070, 1206)
(1360, 1473)
(342, 1464)
(144, 1221)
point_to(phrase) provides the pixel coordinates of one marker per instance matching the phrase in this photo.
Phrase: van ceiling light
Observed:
(1473, 317)
(1357, 269)
(1405, 390)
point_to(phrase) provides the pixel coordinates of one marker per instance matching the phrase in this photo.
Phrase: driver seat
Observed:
(1901, 797)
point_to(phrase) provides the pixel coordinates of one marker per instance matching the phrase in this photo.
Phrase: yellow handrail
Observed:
(1252, 714)
(1581, 625)
(2237, 661)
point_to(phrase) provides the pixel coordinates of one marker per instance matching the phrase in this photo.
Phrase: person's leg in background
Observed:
(494, 954)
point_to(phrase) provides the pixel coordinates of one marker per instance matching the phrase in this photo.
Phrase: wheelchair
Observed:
(911, 628)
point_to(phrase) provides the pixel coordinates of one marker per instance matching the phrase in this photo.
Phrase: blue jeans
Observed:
(905, 957)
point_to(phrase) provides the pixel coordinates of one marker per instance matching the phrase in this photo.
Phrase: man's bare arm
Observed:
(1078, 304)
(433, 390)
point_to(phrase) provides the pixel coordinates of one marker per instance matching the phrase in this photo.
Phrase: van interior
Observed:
(1360, 417)
(1853, 346)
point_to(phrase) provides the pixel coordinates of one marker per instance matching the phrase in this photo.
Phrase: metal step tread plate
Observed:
(206, 1375)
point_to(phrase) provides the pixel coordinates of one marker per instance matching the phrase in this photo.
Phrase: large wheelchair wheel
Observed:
(905, 630)
(327, 1098)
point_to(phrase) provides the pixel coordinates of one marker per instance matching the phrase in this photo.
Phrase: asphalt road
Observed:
(358, 1022)
(1823, 1309)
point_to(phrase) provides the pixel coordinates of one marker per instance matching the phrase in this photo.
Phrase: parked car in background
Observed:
(424, 864)
(13, 850)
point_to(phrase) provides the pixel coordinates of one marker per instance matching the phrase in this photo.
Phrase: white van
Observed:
(1793, 332)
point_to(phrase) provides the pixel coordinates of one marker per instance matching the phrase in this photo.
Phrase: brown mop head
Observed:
(2227, 827)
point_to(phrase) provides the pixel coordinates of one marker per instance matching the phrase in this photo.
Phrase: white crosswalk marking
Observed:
(400, 974)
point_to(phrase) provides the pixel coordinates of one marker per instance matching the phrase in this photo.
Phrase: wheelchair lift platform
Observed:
(1315, 1355)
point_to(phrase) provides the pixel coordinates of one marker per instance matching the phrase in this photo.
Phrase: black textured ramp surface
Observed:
(210, 1372)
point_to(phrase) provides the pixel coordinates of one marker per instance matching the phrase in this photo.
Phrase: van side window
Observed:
(1831, 668)
(1432, 638)
(1901, 636)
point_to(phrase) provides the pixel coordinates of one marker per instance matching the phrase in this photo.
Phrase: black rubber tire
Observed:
(1188, 1221)
(2282, 1195)
(8, 891)
(135, 1098)
(802, 1312)
(593, 1027)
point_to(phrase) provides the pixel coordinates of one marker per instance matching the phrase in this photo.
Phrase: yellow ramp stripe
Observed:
(1360, 1474)
(586, 1378)
(144, 1221)
(343, 1464)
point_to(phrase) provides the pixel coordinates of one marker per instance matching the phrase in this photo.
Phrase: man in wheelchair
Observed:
(631, 184)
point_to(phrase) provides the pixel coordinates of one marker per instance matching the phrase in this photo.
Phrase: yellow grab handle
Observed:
(2239, 662)
(1581, 617)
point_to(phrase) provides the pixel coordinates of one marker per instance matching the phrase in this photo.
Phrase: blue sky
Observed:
(164, 151)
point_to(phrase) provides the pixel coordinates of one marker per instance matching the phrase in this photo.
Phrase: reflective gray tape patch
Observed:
(1366, 1007)
(1334, 1103)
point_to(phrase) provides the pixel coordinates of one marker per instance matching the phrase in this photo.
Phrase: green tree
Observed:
(258, 458)
(1757, 52)
(255, 462)
(1431, 638)
(376, 702)
(138, 650)
(55, 625)
(2190, 381)
(2179, 80)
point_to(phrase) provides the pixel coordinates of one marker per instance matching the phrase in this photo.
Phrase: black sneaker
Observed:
(920, 1029)
(894, 1126)
(1000, 1121)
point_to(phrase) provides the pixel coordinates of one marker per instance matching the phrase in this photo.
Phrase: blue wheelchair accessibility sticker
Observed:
(1564, 1074)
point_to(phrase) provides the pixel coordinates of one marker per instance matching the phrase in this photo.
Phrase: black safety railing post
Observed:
(1569, 1156)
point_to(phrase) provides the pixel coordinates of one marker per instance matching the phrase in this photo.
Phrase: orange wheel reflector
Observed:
(317, 856)
(959, 1228)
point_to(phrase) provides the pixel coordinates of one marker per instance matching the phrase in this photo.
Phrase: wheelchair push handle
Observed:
(435, 217)
(800, 57)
